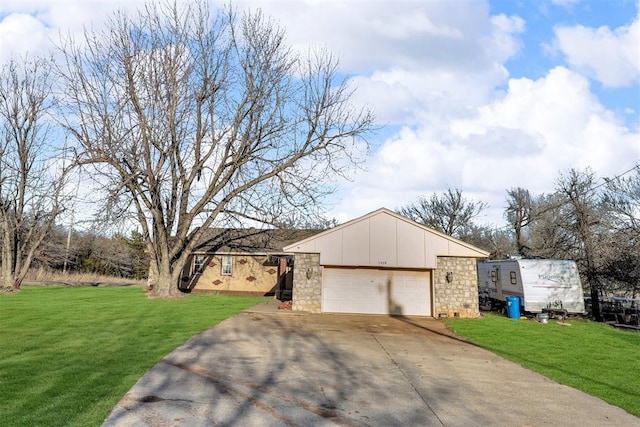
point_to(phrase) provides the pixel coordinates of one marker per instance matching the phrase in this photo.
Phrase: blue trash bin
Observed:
(513, 307)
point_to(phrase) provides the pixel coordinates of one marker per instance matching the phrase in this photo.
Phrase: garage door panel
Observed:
(410, 294)
(369, 291)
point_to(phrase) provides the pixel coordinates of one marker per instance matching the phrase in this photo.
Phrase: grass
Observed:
(67, 355)
(589, 356)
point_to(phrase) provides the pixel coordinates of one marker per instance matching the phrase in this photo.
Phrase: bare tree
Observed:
(583, 218)
(449, 212)
(30, 183)
(621, 264)
(497, 241)
(192, 117)
(116, 256)
(622, 198)
(549, 237)
(520, 213)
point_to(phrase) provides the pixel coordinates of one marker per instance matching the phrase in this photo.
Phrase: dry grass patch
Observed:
(46, 277)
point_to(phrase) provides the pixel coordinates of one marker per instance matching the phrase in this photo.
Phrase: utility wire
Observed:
(593, 189)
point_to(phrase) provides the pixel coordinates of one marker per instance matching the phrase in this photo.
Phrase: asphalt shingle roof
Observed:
(250, 240)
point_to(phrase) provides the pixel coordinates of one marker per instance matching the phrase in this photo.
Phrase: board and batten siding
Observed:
(384, 239)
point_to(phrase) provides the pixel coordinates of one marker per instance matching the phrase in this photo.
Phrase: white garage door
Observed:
(370, 291)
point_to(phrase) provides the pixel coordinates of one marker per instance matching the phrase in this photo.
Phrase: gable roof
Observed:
(384, 238)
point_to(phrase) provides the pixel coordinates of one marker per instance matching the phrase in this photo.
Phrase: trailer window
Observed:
(494, 276)
(513, 277)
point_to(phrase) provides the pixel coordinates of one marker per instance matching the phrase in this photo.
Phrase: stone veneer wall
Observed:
(307, 292)
(460, 297)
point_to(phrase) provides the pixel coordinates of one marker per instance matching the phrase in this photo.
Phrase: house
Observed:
(242, 261)
(380, 263)
(383, 263)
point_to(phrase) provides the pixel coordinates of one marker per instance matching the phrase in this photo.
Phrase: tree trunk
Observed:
(7, 263)
(162, 282)
(595, 304)
(7, 280)
(170, 292)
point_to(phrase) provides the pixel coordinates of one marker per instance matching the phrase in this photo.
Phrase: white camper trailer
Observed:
(541, 285)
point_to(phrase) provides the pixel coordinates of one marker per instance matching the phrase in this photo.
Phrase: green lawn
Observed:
(67, 355)
(592, 357)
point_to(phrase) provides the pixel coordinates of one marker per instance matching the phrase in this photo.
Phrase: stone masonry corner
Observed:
(307, 283)
(459, 296)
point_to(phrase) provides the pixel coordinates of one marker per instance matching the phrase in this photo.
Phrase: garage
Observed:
(376, 291)
(383, 263)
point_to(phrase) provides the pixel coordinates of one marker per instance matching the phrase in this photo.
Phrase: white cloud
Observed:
(523, 137)
(22, 34)
(564, 124)
(406, 97)
(565, 3)
(438, 84)
(438, 72)
(408, 35)
(502, 41)
(610, 56)
(34, 27)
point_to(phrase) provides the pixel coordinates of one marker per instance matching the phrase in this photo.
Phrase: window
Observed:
(494, 276)
(514, 281)
(198, 264)
(227, 266)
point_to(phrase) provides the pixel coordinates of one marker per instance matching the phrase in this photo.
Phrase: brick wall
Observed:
(307, 291)
(460, 296)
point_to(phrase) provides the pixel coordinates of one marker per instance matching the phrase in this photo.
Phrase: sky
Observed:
(482, 96)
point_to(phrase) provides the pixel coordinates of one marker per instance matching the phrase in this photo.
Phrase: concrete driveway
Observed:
(264, 368)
